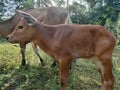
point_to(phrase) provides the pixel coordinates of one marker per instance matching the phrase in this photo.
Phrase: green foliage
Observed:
(1, 6)
(59, 3)
(1, 9)
(78, 13)
(24, 3)
(28, 3)
(105, 14)
(83, 75)
(112, 27)
(101, 14)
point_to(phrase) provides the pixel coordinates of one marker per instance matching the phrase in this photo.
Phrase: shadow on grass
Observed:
(83, 76)
(31, 78)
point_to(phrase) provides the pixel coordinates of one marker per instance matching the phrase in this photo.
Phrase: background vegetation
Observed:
(83, 75)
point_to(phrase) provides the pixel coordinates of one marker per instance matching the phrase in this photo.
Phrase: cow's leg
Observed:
(64, 71)
(105, 69)
(23, 48)
(37, 53)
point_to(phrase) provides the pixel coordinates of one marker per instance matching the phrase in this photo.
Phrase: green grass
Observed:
(83, 75)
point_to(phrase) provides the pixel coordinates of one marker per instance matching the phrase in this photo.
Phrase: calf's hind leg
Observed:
(105, 69)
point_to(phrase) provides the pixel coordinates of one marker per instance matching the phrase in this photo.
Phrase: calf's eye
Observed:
(20, 27)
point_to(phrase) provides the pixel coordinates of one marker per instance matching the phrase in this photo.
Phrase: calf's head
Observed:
(24, 30)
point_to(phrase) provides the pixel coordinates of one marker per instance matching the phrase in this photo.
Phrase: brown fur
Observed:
(67, 42)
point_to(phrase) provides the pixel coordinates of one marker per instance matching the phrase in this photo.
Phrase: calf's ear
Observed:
(30, 21)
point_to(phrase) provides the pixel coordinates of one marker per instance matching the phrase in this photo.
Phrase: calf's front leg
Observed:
(23, 48)
(64, 71)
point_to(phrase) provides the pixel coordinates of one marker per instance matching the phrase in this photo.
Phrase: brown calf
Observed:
(67, 42)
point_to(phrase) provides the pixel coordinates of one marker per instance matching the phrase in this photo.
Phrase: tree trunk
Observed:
(44, 3)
